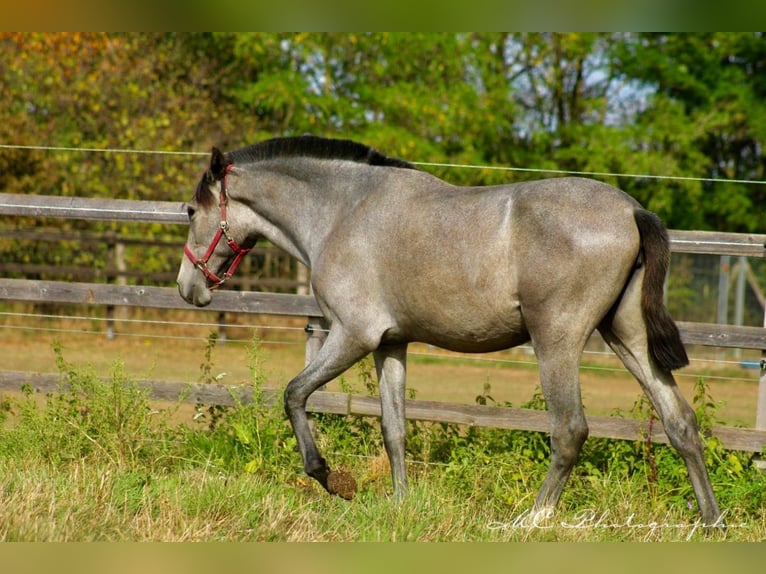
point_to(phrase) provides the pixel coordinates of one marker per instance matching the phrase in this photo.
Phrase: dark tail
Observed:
(665, 344)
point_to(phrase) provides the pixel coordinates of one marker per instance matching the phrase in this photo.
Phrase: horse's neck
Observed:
(298, 210)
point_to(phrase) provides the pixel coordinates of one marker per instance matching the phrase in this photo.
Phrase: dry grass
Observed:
(98, 504)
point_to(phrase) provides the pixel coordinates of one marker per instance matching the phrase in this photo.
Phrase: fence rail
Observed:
(708, 242)
(730, 336)
(38, 291)
(511, 418)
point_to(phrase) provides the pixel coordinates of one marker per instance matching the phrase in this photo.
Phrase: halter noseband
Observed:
(223, 231)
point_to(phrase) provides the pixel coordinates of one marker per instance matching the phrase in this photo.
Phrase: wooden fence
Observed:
(715, 335)
(268, 268)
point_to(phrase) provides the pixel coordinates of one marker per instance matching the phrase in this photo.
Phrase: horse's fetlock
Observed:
(317, 469)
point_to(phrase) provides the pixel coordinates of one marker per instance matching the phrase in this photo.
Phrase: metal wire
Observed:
(442, 355)
(420, 163)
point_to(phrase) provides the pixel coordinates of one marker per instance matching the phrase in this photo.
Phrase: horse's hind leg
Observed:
(337, 354)
(625, 332)
(559, 376)
(390, 363)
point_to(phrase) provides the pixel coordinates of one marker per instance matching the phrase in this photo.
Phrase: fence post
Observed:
(303, 280)
(760, 412)
(760, 408)
(316, 332)
(723, 290)
(115, 260)
(222, 327)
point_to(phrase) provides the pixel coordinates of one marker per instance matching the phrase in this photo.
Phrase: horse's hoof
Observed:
(341, 483)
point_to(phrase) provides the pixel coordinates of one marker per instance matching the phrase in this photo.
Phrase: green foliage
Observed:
(352, 434)
(90, 419)
(708, 115)
(685, 104)
(251, 435)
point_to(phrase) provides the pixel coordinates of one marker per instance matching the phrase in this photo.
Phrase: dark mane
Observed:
(301, 146)
(202, 194)
(316, 147)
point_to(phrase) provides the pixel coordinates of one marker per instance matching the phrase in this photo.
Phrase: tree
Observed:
(456, 98)
(408, 94)
(114, 91)
(621, 103)
(710, 89)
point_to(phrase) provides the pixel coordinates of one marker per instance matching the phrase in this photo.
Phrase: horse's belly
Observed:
(480, 344)
(470, 332)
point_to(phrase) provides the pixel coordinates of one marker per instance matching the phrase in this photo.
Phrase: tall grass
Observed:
(99, 461)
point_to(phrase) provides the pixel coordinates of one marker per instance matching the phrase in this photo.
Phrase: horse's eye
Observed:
(190, 212)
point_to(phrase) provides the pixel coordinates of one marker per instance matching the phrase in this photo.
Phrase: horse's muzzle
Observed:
(199, 295)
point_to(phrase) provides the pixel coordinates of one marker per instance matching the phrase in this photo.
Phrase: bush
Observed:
(89, 418)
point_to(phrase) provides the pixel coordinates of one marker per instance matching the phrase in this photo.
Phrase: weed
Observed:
(253, 435)
(206, 367)
(5, 408)
(210, 414)
(89, 418)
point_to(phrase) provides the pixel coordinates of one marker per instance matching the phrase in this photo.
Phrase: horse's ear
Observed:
(218, 164)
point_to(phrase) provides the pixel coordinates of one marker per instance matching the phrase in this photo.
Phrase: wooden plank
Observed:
(718, 243)
(710, 242)
(749, 440)
(89, 274)
(84, 273)
(94, 238)
(714, 335)
(760, 407)
(93, 209)
(159, 297)
(39, 382)
(284, 304)
(475, 415)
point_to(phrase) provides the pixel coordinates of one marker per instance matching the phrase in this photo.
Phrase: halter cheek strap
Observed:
(223, 231)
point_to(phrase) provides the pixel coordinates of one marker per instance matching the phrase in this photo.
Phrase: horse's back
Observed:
(547, 220)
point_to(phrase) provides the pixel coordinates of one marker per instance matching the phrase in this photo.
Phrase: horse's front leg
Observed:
(391, 366)
(338, 353)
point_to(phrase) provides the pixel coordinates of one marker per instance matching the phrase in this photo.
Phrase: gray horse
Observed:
(398, 255)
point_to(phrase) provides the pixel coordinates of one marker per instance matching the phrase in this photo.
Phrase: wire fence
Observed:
(419, 163)
(131, 327)
(137, 327)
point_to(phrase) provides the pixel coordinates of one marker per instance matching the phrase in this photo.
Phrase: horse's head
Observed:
(218, 236)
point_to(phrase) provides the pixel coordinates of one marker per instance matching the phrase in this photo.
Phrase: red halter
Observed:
(223, 231)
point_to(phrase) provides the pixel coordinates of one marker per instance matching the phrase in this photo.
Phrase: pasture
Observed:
(102, 462)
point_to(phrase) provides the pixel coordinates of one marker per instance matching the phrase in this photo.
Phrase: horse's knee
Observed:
(568, 440)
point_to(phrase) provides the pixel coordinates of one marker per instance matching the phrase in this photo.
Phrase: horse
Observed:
(398, 255)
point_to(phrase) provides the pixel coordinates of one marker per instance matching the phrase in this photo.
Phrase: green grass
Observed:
(101, 462)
